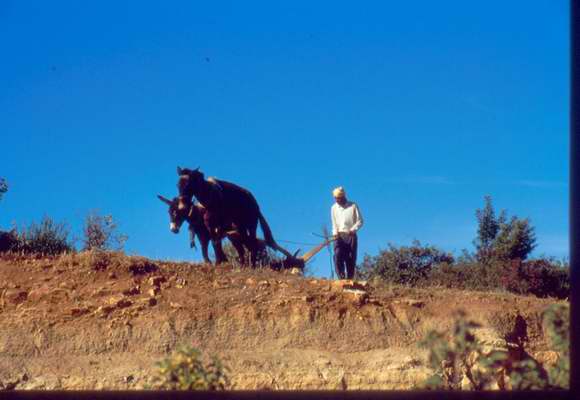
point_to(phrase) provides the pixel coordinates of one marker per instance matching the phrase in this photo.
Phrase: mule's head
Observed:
(176, 215)
(189, 181)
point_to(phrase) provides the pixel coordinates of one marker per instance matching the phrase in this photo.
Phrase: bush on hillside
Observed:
(48, 238)
(8, 241)
(100, 233)
(409, 265)
(499, 262)
(419, 265)
(468, 276)
(538, 277)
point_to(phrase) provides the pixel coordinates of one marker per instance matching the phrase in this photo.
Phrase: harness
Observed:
(214, 181)
(216, 187)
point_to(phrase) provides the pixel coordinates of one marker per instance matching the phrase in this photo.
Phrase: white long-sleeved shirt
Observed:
(345, 219)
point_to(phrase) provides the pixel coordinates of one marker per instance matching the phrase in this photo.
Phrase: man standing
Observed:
(346, 221)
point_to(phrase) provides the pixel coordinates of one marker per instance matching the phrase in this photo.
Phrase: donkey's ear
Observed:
(165, 200)
(179, 170)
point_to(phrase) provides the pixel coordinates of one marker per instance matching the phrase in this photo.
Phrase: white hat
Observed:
(338, 192)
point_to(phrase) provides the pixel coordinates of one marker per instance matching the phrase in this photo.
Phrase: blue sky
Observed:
(417, 109)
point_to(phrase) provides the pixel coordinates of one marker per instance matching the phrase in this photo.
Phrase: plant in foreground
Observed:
(185, 370)
(462, 363)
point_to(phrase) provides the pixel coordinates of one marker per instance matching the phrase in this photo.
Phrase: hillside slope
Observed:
(101, 321)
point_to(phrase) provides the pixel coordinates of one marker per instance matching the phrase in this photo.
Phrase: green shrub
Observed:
(556, 322)
(184, 370)
(499, 263)
(449, 276)
(48, 238)
(539, 277)
(468, 276)
(409, 265)
(459, 361)
(450, 358)
(100, 233)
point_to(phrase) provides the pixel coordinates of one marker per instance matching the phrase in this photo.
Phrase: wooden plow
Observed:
(292, 260)
(295, 261)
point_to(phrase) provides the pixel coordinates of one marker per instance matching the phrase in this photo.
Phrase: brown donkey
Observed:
(194, 215)
(226, 204)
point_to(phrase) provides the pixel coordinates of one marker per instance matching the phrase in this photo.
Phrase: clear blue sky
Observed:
(418, 109)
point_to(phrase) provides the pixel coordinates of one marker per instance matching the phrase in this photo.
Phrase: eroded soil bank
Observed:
(101, 321)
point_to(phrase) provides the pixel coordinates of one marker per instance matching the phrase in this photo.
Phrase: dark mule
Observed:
(226, 204)
(194, 215)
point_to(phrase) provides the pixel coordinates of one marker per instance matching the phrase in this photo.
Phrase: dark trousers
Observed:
(345, 247)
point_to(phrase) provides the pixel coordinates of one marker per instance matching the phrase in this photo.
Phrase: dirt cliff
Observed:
(101, 321)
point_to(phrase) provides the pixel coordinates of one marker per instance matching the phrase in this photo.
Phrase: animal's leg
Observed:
(236, 241)
(203, 237)
(204, 242)
(216, 239)
(252, 244)
(220, 256)
(191, 237)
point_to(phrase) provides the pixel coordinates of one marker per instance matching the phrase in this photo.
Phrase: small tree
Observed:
(488, 227)
(516, 240)
(498, 239)
(100, 233)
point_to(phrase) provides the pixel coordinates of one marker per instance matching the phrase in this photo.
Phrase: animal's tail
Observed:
(269, 238)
